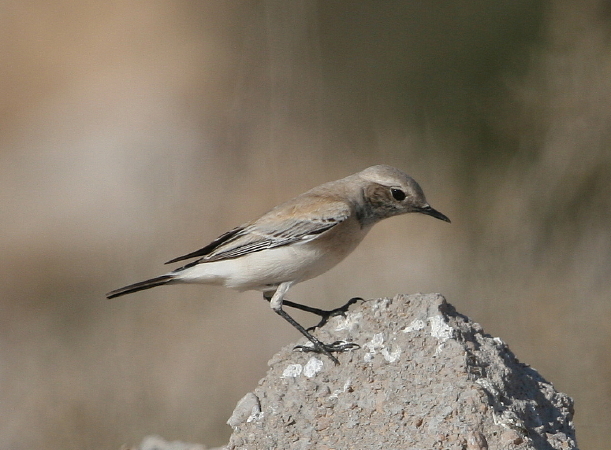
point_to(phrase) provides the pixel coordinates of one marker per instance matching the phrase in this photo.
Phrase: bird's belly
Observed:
(259, 271)
(269, 268)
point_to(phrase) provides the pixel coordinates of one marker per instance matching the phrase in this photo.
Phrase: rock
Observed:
(158, 443)
(424, 377)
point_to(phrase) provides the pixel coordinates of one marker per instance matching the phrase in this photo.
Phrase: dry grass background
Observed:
(133, 132)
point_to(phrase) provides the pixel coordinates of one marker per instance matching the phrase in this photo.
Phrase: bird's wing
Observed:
(284, 225)
(219, 241)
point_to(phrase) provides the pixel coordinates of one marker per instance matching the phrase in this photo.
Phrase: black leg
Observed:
(324, 314)
(319, 347)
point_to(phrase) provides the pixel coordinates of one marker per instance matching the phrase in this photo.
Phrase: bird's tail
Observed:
(147, 284)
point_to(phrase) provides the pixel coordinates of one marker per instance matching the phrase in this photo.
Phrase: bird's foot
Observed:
(315, 345)
(326, 315)
(327, 349)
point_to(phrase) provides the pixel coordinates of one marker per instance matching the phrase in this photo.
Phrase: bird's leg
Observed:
(318, 346)
(324, 314)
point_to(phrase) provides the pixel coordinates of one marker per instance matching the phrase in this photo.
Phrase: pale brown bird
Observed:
(298, 240)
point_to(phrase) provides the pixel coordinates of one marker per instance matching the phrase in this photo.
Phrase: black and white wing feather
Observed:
(277, 228)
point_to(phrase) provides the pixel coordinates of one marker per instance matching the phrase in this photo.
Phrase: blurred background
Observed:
(134, 132)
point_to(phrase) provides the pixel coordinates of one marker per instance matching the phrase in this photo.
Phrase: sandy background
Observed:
(134, 132)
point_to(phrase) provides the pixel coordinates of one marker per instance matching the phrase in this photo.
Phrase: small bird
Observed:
(299, 240)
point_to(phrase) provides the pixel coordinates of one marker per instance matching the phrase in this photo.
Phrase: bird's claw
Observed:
(341, 311)
(336, 347)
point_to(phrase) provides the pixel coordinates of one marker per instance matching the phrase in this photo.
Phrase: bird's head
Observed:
(389, 192)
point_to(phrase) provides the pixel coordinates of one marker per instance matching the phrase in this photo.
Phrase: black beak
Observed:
(433, 213)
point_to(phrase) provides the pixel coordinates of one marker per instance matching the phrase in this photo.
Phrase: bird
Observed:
(298, 240)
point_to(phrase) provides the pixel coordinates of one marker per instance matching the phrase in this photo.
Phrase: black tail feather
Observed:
(147, 284)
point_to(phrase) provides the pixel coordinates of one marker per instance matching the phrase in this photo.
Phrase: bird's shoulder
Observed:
(312, 208)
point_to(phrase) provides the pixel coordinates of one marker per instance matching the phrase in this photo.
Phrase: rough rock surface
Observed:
(157, 443)
(425, 377)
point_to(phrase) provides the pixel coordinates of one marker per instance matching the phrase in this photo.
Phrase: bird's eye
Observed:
(398, 194)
